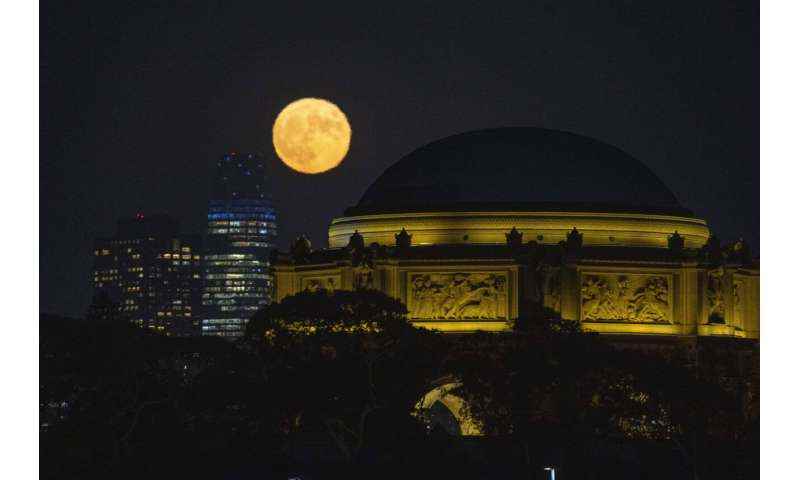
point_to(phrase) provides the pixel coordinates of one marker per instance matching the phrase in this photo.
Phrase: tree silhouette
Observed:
(554, 386)
(347, 363)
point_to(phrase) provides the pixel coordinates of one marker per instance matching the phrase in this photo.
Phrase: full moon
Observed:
(311, 135)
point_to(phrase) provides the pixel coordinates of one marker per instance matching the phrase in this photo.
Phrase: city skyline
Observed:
(425, 239)
(673, 87)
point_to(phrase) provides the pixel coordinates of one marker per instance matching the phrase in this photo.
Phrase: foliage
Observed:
(322, 312)
(345, 362)
(112, 394)
(118, 402)
(554, 382)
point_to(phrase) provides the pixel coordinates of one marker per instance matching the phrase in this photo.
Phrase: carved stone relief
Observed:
(458, 296)
(363, 277)
(314, 284)
(715, 296)
(738, 302)
(553, 296)
(626, 298)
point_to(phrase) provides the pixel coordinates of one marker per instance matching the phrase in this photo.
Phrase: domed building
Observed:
(482, 230)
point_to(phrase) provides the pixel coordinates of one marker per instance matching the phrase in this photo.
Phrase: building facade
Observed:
(151, 274)
(486, 229)
(241, 234)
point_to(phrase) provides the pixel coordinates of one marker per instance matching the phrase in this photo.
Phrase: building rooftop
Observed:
(519, 168)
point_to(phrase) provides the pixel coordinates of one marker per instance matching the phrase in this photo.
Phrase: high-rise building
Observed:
(241, 233)
(151, 274)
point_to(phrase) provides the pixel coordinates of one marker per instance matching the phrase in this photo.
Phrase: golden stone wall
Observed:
(329, 283)
(460, 298)
(731, 302)
(628, 298)
(437, 228)
(606, 297)
(447, 297)
(457, 296)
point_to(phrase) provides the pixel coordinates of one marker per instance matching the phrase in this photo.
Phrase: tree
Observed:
(98, 383)
(554, 384)
(112, 394)
(346, 363)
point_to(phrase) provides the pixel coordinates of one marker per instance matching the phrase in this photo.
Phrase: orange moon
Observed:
(311, 135)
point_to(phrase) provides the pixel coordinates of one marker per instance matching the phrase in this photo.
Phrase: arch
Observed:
(443, 394)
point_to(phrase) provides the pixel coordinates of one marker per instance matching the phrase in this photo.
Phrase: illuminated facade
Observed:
(241, 233)
(485, 229)
(152, 274)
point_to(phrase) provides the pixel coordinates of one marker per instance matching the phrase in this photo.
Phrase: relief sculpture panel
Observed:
(715, 296)
(552, 299)
(626, 298)
(314, 284)
(738, 302)
(458, 296)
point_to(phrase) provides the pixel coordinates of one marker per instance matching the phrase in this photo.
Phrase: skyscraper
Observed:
(150, 274)
(241, 233)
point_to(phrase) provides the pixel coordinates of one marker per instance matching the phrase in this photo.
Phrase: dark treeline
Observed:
(324, 386)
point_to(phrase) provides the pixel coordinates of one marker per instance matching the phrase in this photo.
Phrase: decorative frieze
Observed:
(632, 298)
(458, 296)
(313, 284)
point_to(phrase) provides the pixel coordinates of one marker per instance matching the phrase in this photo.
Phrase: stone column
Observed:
(284, 283)
(690, 299)
(727, 289)
(570, 292)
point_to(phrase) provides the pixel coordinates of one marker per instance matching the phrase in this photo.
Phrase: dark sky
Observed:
(137, 101)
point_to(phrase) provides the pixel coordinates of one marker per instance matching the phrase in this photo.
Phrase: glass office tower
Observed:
(241, 233)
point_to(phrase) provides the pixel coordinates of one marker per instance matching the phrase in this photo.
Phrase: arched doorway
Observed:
(441, 407)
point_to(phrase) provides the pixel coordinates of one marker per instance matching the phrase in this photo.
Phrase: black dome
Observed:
(518, 168)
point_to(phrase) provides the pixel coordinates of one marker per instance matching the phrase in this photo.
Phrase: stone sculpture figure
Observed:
(317, 284)
(738, 303)
(301, 249)
(739, 252)
(650, 302)
(621, 298)
(554, 289)
(737, 300)
(363, 278)
(574, 239)
(457, 296)
(715, 296)
(514, 238)
(712, 251)
(601, 301)
(402, 239)
(356, 241)
(676, 242)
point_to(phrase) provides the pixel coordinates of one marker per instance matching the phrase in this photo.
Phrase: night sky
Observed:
(138, 101)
